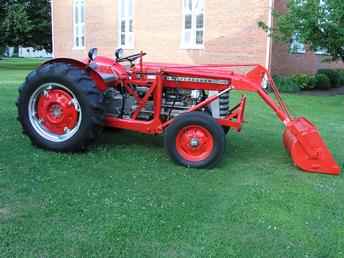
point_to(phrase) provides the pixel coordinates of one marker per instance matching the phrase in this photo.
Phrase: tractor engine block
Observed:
(174, 102)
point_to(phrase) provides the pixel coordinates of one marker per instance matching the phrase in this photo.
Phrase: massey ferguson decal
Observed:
(196, 80)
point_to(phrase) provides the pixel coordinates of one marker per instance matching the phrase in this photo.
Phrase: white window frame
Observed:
(79, 24)
(127, 18)
(296, 47)
(321, 51)
(193, 31)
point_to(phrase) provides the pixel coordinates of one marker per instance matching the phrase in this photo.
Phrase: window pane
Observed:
(321, 51)
(82, 14)
(130, 7)
(122, 8)
(199, 5)
(76, 11)
(77, 42)
(82, 41)
(131, 26)
(188, 21)
(123, 39)
(122, 26)
(187, 37)
(196, 4)
(187, 5)
(199, 37)
(77, 30)
(129, 39)
(199, 21)
(296, 46)
(186, 2)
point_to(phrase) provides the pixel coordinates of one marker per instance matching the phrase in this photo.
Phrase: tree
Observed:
(16, 25)
(318, 23)
(25, 23)
(39, 12)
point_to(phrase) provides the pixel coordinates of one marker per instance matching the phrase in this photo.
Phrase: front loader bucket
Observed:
(307, 149)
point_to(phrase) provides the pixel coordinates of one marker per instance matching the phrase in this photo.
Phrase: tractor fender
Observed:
(108, 66)
(95, 76)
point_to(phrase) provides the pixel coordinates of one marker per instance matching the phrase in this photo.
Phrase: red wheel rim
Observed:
(194, 143)
(56, 111)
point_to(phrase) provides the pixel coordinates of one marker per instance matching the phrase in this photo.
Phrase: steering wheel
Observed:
(131, 58)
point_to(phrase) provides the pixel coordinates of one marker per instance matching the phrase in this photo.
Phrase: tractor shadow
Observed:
(118, 137)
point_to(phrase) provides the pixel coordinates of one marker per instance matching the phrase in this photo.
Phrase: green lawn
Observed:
(125, 198)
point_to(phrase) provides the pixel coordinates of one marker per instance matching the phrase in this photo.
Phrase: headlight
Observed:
(119, 53)
(92, 54)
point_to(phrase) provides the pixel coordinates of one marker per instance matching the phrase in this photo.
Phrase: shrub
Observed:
(322, 82)
(286, 84)
(341, 77)
(2, 51)
(333, 75)
(304, 81)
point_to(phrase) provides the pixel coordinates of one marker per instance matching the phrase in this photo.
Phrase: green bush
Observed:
(2, 51)
(304, 81)
(286, 84)
(295, 83)
(322, 82)
(341, 77)
(333, 75)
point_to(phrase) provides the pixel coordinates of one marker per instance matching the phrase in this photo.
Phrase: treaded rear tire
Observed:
(226, 129)
(83, 87)
(200, 120)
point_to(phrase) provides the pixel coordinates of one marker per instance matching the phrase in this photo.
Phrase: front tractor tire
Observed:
(60, 108)
(195, 140)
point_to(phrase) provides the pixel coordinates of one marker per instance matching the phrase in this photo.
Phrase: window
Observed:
(79, 23)
(296, 47)
(125, 24)
(321, 51)
(193, 24)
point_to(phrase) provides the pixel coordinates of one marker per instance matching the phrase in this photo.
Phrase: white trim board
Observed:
(269, 39)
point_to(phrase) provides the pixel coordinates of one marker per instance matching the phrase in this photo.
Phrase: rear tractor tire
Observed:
(60, 108)
(226, 129)
(195, 140)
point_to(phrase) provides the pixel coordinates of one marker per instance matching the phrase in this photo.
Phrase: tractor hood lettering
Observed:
(196, 80)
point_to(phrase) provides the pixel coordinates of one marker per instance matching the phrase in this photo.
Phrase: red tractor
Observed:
(64, 104)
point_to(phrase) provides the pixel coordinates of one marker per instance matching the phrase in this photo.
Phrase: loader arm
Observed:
(301, 138)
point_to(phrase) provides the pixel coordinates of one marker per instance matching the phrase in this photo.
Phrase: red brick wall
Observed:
(101, 27)
(231, 32)
(284, 62)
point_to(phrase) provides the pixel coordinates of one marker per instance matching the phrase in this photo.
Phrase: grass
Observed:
(125, 198)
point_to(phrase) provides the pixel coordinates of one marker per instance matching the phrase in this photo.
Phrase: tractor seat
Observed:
(109, 78)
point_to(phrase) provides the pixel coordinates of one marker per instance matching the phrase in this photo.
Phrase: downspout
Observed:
(269, 39)
(52, 28)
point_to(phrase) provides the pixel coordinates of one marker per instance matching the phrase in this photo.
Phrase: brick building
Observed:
(179, 31)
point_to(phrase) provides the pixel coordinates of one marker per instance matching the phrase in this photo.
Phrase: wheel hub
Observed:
(56, 111)
(194, 143)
